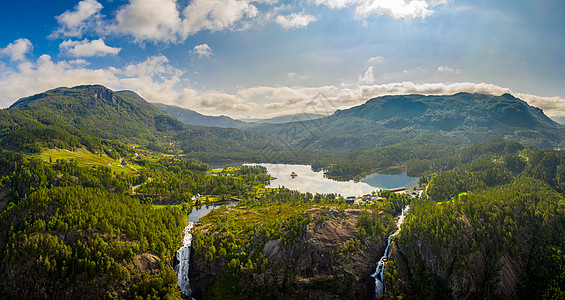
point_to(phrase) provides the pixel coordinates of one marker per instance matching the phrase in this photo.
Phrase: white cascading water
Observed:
(379, 272)
(183, 256)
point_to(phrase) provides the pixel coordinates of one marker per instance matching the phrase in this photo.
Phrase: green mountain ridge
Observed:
(98, 111)
(191, 117)
(461, 118)
(101, 112)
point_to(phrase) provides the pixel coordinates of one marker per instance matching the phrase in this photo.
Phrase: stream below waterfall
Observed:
(379, 272)
(183, 257)
(183, 253)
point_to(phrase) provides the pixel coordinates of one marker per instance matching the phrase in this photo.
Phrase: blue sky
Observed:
(264, 58)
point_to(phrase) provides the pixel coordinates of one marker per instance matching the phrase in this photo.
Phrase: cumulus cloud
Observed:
(368, 77)
(158, 21)
(397, 9)
(33, 77)
(447, 69)
(223, 102)
(149, 20)
(87, 48)
(75, 22)
(215, 15)
(203, 50)
(17, 50)
(293, 76)
(157, 80)
(376, 60)
(333, 3)
(295, 20)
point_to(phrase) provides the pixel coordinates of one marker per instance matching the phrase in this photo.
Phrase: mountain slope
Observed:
(97, 111)
(285, 119)
(462, 118)
(101, 112)
(191, 117)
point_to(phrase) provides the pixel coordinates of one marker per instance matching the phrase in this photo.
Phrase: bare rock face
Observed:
(315, 255)
(460, 273)
(147, 263)
(511, 274)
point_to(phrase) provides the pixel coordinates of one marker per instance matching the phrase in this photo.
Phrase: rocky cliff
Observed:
(421, 266)
(327, 260)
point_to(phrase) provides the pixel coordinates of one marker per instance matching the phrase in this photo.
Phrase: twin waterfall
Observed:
(183, 256)
(379, 272)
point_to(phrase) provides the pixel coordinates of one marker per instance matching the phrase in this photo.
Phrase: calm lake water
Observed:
(315, 182)
(202, 210)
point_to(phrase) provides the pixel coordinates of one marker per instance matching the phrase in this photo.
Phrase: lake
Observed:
(315, 182)
(202, 210)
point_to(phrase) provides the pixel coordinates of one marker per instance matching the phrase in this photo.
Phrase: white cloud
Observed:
(149, 20)
(376, 60)
(159, 21)
(368, 77)
(87, 48)
(33, 77)
(154, 67)
(157, 80)
(333, 3)
(75, 22)
(397, 9)
(293, 76)
(447, 69)
(17, 49)
(223, 102)
(203, 50)
(295, 20)
(215, 15)
(154, 79)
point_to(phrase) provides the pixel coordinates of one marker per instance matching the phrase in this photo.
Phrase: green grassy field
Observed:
(85, 157)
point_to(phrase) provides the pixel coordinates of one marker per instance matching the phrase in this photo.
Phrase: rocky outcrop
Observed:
(147, 263)
(316, 265)
(461, 273)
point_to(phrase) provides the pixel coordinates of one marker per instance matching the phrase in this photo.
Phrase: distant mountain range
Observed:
(285, 119)
(457, 119)
(462, 118)
(191, 117)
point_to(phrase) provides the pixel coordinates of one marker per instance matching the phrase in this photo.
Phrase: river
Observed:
(379, 272)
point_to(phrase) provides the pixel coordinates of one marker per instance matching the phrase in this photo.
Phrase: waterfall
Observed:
(379, 272)
(183, 257)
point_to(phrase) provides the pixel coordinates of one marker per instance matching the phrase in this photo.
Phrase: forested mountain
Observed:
(94, 110)
(490, 229)
(462, 118)
(285, 118)
(191, 117)
(101, 112)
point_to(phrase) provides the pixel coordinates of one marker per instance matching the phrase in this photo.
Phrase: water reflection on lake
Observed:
(202, 210)
(315, 182)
